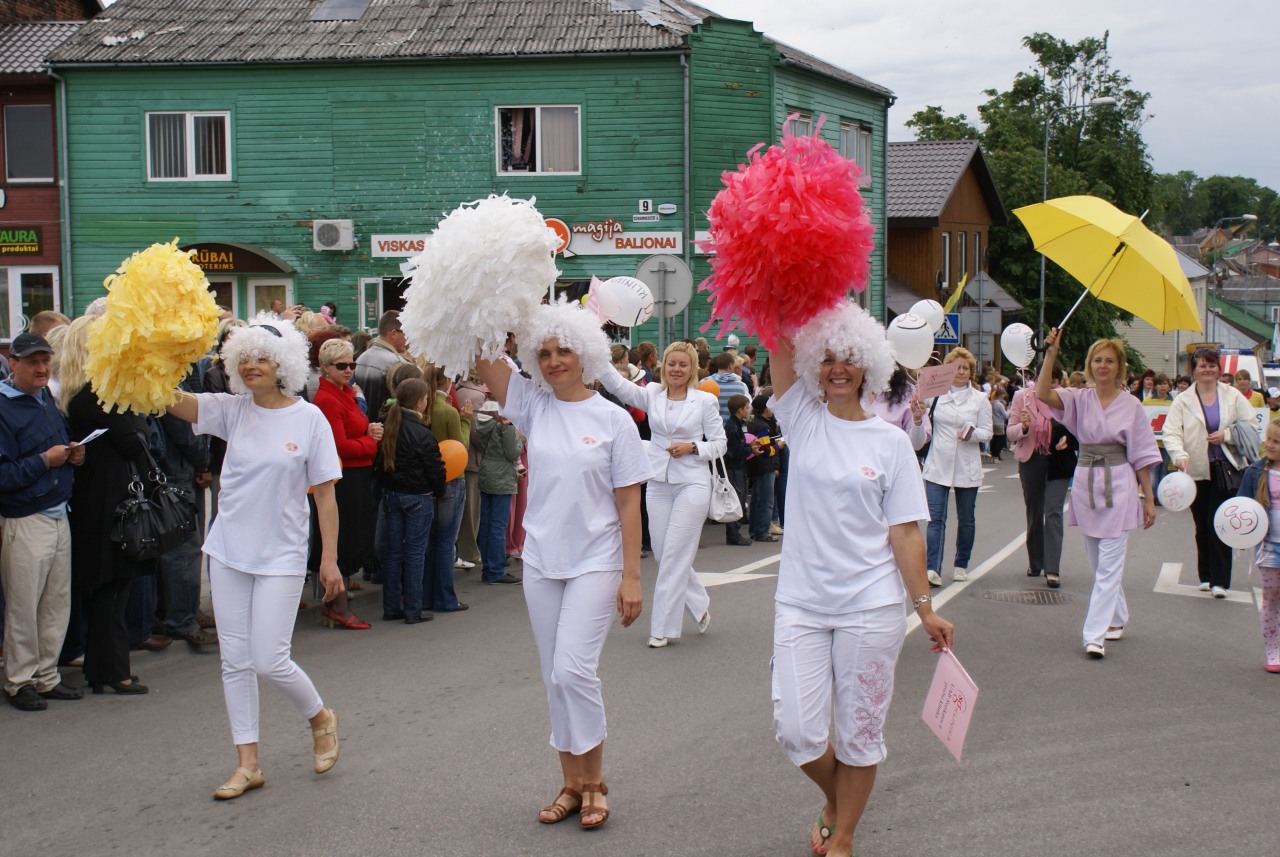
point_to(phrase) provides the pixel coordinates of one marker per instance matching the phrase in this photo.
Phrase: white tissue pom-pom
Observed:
(485, 267)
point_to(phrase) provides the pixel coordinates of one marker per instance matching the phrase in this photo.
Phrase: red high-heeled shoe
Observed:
(330, 619)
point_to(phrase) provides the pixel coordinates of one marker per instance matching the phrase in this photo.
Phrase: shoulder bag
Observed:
(155, 518)
(724, 507)
(1223, 474)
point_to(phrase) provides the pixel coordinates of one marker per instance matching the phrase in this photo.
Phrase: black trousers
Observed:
(357, 518)
(1213, 558)
(106, 644)
(1034, 474)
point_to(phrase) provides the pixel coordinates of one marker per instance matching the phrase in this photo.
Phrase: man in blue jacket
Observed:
(35, 565)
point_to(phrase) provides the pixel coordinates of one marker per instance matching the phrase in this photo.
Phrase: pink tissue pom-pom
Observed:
(791, 238)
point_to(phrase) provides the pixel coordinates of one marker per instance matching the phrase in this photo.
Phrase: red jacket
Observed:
(350, 427)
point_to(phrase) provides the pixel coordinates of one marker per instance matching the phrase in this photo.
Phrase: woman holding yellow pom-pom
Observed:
(277, 447)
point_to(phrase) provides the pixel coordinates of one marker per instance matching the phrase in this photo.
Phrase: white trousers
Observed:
(676, 515)
(1107, 606)
(570, 620)
(850, 657)
(256, 613)
(35, 571)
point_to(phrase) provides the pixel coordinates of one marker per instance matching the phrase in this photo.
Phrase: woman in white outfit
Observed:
(687, 433)
(961, 423)
(582, 532)
(277, 447)
(852, 554)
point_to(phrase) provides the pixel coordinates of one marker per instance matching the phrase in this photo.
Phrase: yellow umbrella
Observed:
(1119, 259)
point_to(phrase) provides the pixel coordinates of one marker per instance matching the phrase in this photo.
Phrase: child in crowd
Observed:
(1261, 481)
(1159, 396)
(762, 469)
(499, 445)
(735, 459)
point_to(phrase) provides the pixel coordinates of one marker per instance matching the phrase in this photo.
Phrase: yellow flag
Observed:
(955, 296)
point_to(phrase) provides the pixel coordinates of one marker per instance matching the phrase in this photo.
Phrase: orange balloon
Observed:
(709, 386)
(455, 458)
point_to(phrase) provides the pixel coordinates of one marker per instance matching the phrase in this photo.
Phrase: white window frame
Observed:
(53, 160)
(255, 283)
(793, 126)
(18, 320)
(855, 144)
(977, 253)
(962, 260)
(229, 279)
(946, 260)
(190, 137)
(537, 146)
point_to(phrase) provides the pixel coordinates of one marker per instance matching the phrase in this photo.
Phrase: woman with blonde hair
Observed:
(961, 423)
(1117, 449)
(686, 434)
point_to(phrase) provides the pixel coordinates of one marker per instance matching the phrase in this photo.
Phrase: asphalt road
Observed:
(1163, 748)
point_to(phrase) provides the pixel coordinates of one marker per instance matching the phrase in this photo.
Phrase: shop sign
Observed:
(397, 246)
(235, 259)
(610, 237)
(19, 240)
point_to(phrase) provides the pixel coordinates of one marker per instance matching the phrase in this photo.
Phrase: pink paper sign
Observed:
(949, 703)
(936, 380)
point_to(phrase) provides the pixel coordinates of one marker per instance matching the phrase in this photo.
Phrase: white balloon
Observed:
(625, 301)
(930, 311)
(1241, 522)
(912, 340)
(1177, 490)
(1015, 344)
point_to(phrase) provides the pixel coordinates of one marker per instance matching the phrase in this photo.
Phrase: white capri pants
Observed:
(677, 512)
(570, 620)
(1107, 606)
(256, 613)
(853, 654)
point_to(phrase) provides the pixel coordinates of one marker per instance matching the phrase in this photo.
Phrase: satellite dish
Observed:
(671, 282)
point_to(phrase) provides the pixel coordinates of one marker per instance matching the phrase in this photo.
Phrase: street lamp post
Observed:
(1103, 101)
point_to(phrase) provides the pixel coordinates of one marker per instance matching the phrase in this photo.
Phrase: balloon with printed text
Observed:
(1241, 522)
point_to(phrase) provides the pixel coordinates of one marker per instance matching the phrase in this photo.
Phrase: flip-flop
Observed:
(824, 831)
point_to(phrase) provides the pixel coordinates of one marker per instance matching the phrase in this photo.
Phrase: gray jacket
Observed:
(499, 447)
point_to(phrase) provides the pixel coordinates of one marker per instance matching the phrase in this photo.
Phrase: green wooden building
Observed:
(305, 148)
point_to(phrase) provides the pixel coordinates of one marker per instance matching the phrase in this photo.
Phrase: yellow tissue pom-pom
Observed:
(160, 318)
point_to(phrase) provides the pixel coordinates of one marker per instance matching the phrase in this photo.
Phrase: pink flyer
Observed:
(936, 380)
(949, 703)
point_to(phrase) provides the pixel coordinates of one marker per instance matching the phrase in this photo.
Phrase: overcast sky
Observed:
(1213, 69)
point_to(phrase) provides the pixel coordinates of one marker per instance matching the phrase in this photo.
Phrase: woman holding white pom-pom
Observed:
(586, 463)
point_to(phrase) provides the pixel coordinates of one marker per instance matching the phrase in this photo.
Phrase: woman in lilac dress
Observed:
(900, 406)
(1117, 450)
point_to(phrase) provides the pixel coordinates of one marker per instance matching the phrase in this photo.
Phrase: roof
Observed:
(901, 297)
(24, 48)
(922, 176)
(275, 31)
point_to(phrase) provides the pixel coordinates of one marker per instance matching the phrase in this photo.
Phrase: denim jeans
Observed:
(179, 574)
(437, 571)
(738, 479)
(966, 500)
(407, 525)
(495, 511)
(762, 503)
(140, 614)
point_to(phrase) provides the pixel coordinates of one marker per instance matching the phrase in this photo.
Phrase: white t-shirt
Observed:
(579, 452)
(847, 483)
(273, 457)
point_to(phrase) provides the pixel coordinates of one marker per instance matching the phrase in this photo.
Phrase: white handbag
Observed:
(724, 507)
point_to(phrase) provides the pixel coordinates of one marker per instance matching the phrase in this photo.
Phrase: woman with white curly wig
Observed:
(277, 447)
(853, 552)
(586, 463)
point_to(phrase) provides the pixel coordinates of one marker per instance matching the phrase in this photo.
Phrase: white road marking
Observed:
(739, 574)
(941, 597)
(1167, 583)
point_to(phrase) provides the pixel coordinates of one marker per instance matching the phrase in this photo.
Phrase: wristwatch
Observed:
(694, 444)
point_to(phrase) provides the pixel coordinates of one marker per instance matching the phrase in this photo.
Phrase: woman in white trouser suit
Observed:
(687, 433)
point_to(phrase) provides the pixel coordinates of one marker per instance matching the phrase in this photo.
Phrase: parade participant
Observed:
(1031, 430)
(851, 552)
(898, 406)
(447, 423)
(1261, 481)
(1116, 442)
(586, 464)
(961, 421)
(357, 441)
(277, 447)
(1195, 437)
(687, 433)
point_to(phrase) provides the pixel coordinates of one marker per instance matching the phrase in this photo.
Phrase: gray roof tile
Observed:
(922, 176)
(25, 47)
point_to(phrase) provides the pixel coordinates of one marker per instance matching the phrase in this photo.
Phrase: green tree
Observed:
(932, 124)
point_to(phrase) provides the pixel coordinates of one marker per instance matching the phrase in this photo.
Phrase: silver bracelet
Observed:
(915, 605)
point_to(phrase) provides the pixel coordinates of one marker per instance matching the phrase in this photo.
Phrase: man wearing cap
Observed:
(35, 566)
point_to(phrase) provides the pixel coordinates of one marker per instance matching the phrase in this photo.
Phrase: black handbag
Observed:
(155, 518)
(1225, 478)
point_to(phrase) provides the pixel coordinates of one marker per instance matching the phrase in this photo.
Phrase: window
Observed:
(28, 142)
(539, 139)
(188, 146)
(946, 260)
(25, 292)
(799, 126)
(961, 248)
(855, 144)
(977, 253)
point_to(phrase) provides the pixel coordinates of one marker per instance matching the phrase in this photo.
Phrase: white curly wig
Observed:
(849, 332)
(575, 328)
(279, 341)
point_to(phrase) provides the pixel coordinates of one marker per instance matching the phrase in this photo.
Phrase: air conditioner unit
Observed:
(1275, 315)
(333, 235)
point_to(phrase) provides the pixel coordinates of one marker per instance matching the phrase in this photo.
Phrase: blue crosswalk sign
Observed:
(949, 333)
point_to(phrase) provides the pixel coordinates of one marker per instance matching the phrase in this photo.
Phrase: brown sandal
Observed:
(559, 810)
(593, 808)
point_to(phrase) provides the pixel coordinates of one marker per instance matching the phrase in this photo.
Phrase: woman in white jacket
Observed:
(687, 433)
(961, 421)
(1195, 438)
